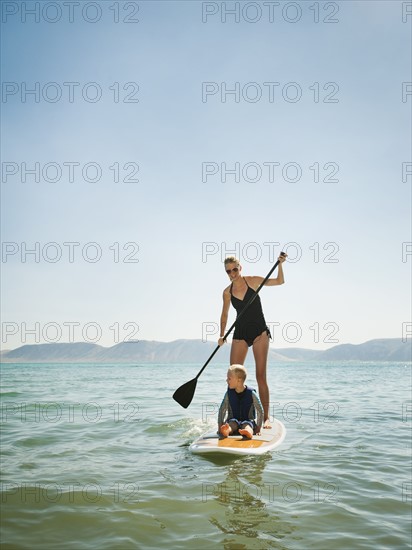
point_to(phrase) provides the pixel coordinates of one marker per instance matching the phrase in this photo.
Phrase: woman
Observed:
(251, 330)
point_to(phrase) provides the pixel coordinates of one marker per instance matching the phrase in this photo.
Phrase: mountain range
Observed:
(197, 351)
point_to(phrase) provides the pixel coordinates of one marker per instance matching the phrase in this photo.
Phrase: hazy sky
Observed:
(142, 142)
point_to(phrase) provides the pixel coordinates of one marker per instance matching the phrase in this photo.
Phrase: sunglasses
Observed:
(229, 271)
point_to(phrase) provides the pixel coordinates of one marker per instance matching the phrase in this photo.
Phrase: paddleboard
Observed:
(269, 439)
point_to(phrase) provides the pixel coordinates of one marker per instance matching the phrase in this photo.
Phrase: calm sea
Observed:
(96, 457)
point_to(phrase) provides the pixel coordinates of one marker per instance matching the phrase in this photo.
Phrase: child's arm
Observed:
(259, 412)
(223, 410)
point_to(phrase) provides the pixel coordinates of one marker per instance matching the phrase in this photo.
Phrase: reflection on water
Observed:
(245, 496)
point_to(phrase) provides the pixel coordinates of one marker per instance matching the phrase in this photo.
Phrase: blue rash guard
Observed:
(241, 408)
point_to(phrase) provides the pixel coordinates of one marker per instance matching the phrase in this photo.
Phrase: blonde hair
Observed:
(239, 371)
(231, 260)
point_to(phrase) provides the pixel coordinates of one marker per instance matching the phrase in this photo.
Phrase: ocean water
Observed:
(96, 457)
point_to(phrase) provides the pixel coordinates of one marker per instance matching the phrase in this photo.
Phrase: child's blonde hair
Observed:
(239, 371)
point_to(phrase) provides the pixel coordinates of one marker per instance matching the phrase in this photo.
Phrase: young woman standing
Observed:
(251, 330)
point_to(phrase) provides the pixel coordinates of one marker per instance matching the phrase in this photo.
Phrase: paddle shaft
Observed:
(240, 315)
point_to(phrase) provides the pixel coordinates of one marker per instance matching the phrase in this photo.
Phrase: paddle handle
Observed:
(241, 313)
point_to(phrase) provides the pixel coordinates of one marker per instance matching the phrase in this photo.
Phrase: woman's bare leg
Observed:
(238, 352)
(260, 352)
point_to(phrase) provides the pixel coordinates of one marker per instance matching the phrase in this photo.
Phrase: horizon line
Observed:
(192, 340)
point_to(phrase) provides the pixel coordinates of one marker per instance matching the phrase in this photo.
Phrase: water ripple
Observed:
(93, 464)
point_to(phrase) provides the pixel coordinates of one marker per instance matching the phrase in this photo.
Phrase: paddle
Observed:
(185, 393)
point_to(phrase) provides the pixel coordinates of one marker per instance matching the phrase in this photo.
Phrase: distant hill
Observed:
(196, 351)
(76, 351)
(384, 349)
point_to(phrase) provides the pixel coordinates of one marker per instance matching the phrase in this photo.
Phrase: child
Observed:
(237, 413)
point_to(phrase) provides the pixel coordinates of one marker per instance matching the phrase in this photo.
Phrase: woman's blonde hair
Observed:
(239, 371)
(231, 260)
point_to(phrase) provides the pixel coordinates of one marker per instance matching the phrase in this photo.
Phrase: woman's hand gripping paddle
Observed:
(185, 393)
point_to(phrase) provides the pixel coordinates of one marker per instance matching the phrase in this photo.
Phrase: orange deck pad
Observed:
(245, 443)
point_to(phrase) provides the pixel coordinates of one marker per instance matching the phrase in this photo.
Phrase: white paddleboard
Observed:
(269, 439)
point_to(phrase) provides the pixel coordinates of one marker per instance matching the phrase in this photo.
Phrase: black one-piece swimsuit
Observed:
(252, 323)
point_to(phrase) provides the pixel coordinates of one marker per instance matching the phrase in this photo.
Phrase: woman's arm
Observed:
(224, 315)
(279, 280)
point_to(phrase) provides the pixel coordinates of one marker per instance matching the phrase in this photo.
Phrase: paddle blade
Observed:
(185, 393)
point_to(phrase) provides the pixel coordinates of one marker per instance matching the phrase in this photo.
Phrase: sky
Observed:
(143, 142)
